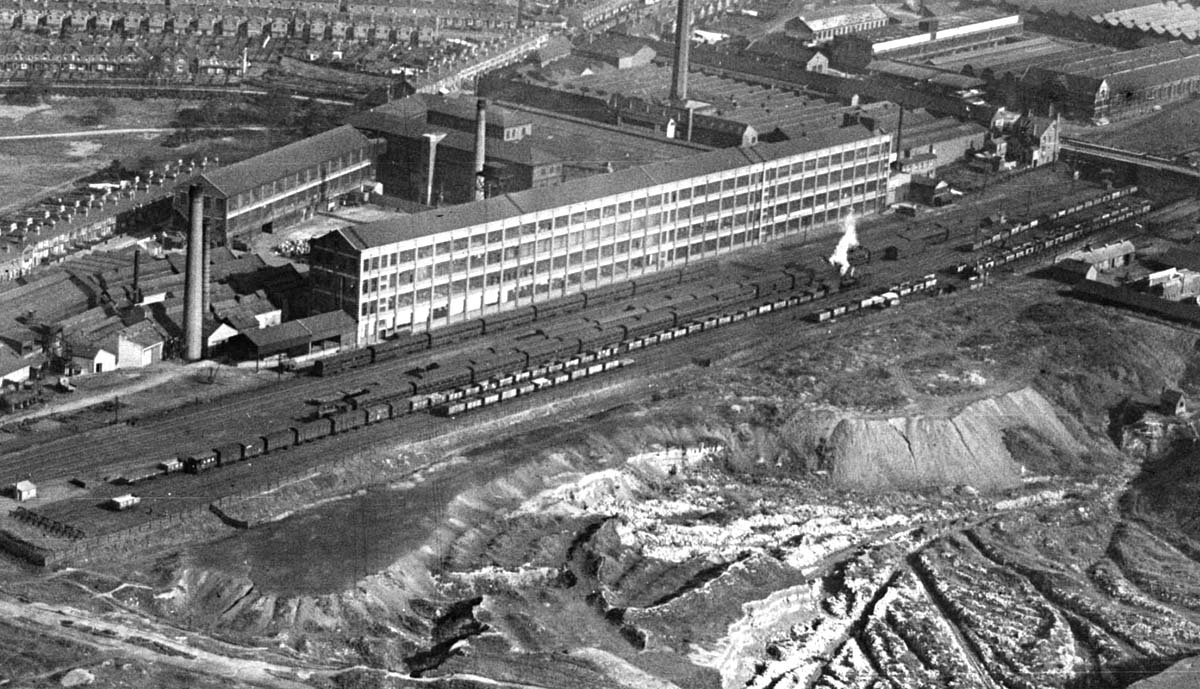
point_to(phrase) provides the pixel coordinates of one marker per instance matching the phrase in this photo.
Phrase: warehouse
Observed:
(439, 267)
(282, 187)
(931, 36)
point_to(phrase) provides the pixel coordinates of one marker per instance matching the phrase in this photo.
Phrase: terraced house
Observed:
(447, 265)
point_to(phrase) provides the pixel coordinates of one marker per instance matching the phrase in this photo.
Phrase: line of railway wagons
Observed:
(887, 298)
(617, 294)
(527, 387)
(558, 359)
(1099, 219)
(1005, 235)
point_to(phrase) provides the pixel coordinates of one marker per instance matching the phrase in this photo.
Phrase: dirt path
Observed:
(150, 646)
(113, 132)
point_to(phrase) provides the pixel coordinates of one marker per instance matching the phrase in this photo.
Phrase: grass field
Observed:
(33, 169)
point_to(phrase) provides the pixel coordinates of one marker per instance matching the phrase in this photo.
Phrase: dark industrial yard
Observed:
(548, 345)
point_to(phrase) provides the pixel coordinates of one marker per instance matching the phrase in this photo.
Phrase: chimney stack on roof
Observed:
(480, 146)
(683, 47)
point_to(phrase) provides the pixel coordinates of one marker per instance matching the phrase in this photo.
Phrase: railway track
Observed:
(110, 450)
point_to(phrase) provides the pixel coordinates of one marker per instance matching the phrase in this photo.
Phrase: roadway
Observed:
(1119, 155)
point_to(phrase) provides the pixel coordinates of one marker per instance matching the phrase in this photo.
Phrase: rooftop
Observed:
(579, 191)
(825, 18)
(273, 165)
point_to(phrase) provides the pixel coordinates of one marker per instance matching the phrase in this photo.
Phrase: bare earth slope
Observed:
(923, 498)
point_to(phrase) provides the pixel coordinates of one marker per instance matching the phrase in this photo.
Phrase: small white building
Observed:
(24, 490)
(124, 502)
(139, 345)
(93, 358)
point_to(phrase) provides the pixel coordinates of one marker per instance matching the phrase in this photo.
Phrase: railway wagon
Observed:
(229, 453)
(201, 461)
(253, 447)
(277, 441)
(348, 420)
(378, 411)
(558, 307)
(458, 332)
(313, 430)
(510, 319)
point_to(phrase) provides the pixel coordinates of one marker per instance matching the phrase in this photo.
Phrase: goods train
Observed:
(541, 358)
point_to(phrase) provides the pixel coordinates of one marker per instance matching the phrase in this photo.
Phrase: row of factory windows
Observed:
(623, 261)
(472, 252)
(564, 242)
(288, 183)
(531, 234)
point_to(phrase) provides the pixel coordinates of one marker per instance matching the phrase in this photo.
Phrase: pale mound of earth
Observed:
(966, 448)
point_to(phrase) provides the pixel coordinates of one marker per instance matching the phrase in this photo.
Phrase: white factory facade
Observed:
(444, 266)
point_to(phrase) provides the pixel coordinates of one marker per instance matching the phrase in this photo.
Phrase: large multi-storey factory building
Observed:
(447, 265)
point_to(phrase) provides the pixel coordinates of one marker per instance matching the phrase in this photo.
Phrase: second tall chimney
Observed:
(193, 288)
(683, 47)
(480, 145)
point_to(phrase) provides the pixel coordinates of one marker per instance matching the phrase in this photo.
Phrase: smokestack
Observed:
(683, 47)
(480, 145)
(434, 138)
(193, 313)
(137, 260)
(896, 138)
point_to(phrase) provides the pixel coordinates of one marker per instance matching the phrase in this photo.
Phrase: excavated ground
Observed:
(940, 495)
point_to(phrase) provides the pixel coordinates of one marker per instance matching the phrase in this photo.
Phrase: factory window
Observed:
(510, 274)
(495, 237)
(770, 174)
(364, 309)
(512, 233)
(559, 262)
(526, 250)
(392, 281)
(458, 265)
(477, 261)
(510, 252)
(547, 225)
(404, 300)
(610, 211)
(575, 238)
(606, 251)
(860, 171)
(478, 240)
(443, 248)
(728, 184)
(525, 271)
(823, 161)
(622, 247)
(492, 279)
(441, 269)
(576, 218)
(742, 181)
(576, 258)
(543, 245)
(494, 256)
(366, 264)
(543, 266)
(698, 190)
(835, 178)
(723, 242)
(685, 212)
(606, 232)
(654, 200)
(819, 199)
(406, 256)
(394, 257)
(573, 279)
(590, 255)
(560, 242)
(741, 200)
(525, 230)
(461, 244)
(606, 271)
(639, 204)
(475, 282)
(685, 193)
(442, 290)
(404, 277)
(424, 252)
(375, 263)
(592, 234)
(458, 287)
(594, 213)
(424, 294)
(424, 272)
(366, 286)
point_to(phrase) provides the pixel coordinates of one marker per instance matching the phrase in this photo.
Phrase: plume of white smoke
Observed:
(849, 240)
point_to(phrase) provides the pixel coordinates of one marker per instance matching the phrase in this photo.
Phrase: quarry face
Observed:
(924, 498)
